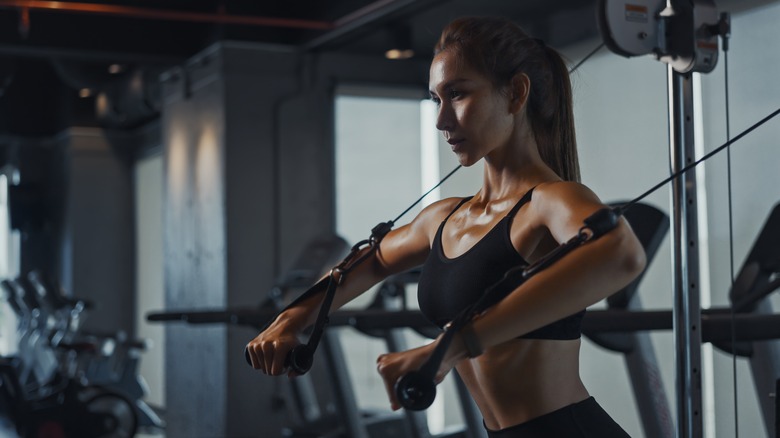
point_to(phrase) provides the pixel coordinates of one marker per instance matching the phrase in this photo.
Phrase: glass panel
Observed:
(387, 154)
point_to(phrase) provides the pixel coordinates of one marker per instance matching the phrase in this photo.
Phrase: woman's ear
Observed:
(519, 91)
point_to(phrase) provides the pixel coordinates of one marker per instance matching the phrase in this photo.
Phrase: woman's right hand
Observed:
(268, 351)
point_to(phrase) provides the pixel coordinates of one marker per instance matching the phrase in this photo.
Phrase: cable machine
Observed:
(684, 35)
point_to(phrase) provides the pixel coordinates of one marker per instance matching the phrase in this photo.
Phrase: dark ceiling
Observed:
(51, 50)
(168, 30)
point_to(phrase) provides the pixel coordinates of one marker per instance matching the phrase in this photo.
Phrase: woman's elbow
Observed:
(632, 258)
(635, 262)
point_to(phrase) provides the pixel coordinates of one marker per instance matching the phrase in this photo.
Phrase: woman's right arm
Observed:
(400, 250)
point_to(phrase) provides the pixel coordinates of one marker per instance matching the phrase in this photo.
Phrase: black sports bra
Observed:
(447, 286)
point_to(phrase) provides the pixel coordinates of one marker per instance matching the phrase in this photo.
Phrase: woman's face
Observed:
(474, 116)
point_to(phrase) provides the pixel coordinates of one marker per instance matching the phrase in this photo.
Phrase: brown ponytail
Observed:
(499, 49)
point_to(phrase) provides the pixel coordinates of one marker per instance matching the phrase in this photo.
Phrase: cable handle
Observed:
(301, 358)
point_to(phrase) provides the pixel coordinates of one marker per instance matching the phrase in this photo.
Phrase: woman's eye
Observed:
(436, 100)
(454, 94)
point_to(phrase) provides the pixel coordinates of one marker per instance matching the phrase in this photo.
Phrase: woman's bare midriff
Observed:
(523, 379)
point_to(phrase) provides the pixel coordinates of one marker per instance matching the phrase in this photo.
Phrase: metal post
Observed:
(685, 260)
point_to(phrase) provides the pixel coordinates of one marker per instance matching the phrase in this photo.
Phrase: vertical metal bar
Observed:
(685, 260)
(344, 394)
(417, 420)
(645, 376)
(471, 415)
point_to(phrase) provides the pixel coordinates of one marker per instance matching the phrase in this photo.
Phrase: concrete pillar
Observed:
(247, 133)
(221, 225)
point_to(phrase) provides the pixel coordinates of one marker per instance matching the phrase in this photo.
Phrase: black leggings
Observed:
(578, 420)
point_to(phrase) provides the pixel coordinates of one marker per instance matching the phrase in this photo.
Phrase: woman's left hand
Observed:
(393, 366)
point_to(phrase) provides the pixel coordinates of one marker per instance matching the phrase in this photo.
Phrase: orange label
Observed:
(636, 8)
(707, 45)
(636, 13)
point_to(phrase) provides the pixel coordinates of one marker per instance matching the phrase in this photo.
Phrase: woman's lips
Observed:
(455, 143)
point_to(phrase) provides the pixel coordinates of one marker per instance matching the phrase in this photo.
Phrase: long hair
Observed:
(499, 49)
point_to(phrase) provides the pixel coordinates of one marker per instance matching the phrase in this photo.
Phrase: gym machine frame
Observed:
(684, 35)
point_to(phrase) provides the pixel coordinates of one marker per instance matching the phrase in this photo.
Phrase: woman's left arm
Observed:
(583, 277)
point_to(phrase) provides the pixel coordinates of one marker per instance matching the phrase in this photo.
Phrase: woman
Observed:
(505, 98)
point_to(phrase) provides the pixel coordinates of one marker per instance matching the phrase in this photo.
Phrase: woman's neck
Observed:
(512, 170)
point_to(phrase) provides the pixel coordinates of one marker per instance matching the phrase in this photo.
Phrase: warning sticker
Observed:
(636, 13)
(707, 45)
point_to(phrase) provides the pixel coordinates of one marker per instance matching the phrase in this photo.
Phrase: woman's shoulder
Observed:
(432, 215)
(563, 193)
(427, 222)
(562, 206)
(443, 207)
(559, 200)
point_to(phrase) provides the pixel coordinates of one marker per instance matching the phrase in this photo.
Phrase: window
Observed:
(388, 153)
(9, 261)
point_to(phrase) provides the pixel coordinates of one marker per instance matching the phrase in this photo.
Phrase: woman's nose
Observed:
(445, 119)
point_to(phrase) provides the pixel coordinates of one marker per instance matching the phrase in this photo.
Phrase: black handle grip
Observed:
(299, 359)
(415, 391)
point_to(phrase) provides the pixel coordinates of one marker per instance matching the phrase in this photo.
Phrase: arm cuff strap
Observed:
(470, 341)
